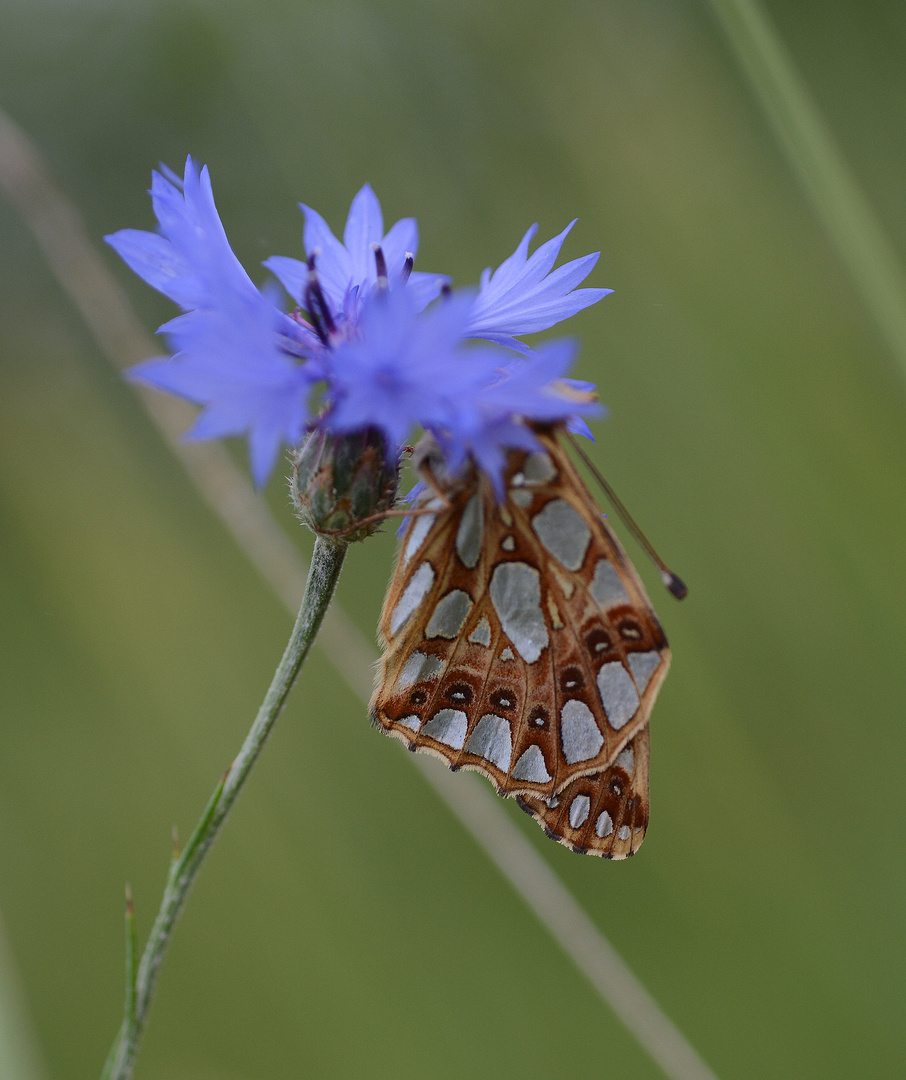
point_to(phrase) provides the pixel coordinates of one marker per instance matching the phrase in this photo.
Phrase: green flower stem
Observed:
(326, 564)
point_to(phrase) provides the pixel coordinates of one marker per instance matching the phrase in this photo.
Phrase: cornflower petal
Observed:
(406, 368)
(349, 269)
(154, 259)
(364, 227)
(575, 425)
(522, 296)
(190, 261)
(332, 259)
(423, 288)
(265, 444)
(292, 275)
(401, 241)
(235, 352)
(530, 389)
(490, 444)
(228, 361)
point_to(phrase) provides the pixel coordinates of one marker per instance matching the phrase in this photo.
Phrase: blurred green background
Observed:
(346, 925)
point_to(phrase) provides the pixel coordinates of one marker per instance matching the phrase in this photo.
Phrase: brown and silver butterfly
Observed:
(520, 643)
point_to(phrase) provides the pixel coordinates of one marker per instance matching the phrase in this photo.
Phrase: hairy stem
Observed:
(326, 563)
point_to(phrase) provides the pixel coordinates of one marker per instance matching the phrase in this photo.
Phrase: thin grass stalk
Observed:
(20, 1055)
(812, 153)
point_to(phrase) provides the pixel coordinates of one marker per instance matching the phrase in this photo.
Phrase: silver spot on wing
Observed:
(564, 532)
(579, 732)
(618, 694)
(449, 727)
(449, 615)
(578, 811)
(516, 596)
(606, 586)
(470, 532)
(491, 740)
(419, 584)
(421, 526)
(538, 468)
(643, 665)
(481, 635)
(420, 667)
(604, 824)
(531, 766)
(626, 760)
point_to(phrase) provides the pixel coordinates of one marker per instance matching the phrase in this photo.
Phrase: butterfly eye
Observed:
(538, 716)
(629, 630)
(418, 697)
(598, 641)
(460, 693)
(503, 700)
(570, 679)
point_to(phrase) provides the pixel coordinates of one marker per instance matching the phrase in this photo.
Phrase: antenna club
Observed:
(675, 585)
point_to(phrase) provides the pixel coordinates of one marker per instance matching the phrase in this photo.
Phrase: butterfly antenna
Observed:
(674, 584)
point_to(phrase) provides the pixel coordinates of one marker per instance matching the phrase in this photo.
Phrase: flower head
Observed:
(348, 271)
(406, 368)
(377, 347)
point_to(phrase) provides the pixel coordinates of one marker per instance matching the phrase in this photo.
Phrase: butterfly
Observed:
(520, 643)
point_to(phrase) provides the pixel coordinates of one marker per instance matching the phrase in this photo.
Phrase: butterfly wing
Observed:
(602, 814)
(519, 639)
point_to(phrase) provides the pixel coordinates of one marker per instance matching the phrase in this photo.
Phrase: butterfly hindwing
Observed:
(602, 814)
(519, 639)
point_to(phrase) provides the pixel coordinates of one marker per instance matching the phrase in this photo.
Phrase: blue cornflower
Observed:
(523, 296)
(530, 389)
(348, 272)
(379, 344)
(234, 351)
(406, 368)
(190, 259)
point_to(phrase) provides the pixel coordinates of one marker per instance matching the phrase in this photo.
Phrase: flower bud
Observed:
(341, 481)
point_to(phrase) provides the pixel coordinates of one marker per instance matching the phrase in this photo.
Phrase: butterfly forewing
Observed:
(519, 639)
